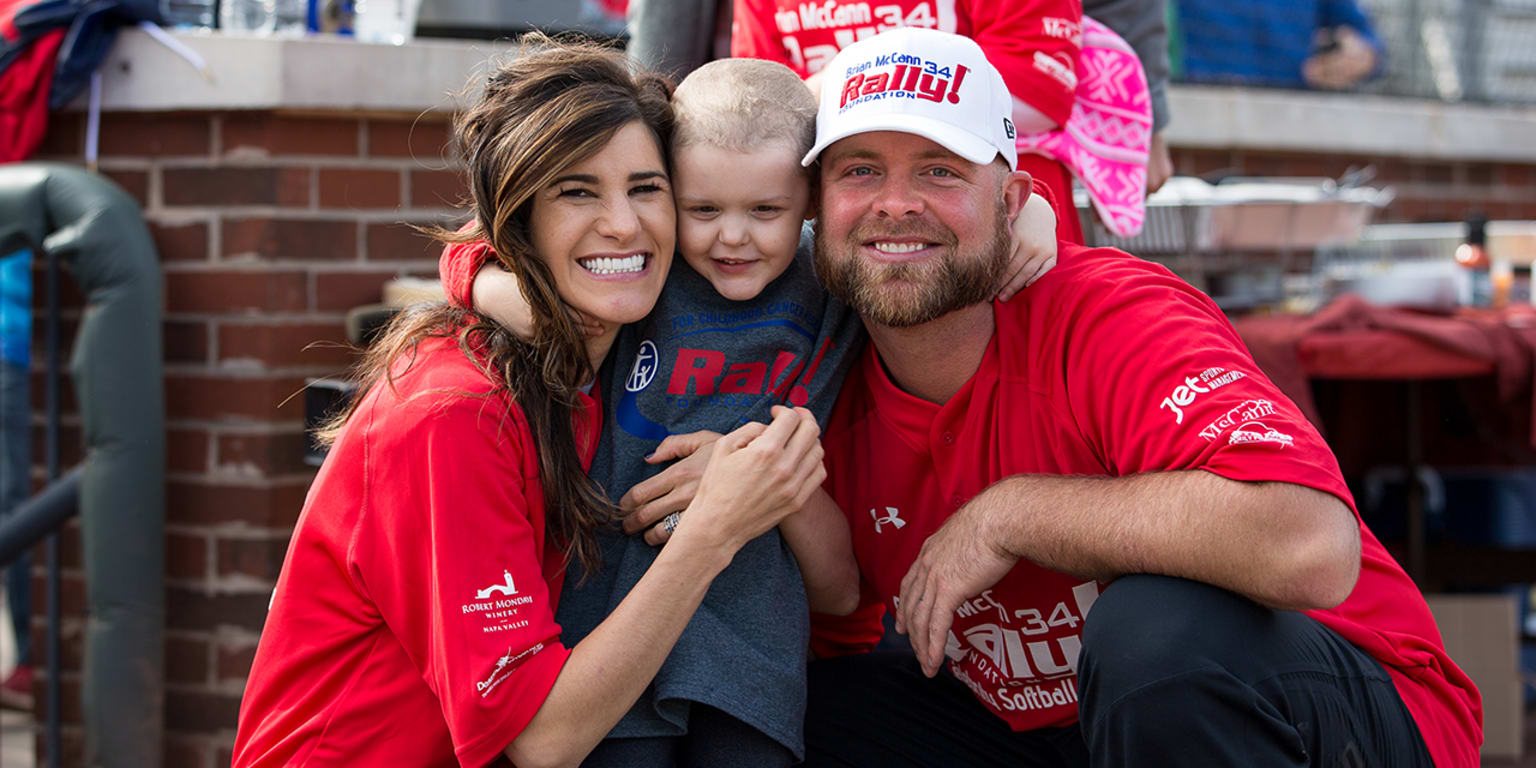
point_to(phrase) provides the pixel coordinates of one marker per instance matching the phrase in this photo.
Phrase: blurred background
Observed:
(1353, 182)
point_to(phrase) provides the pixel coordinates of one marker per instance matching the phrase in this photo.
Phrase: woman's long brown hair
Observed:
(556, 103)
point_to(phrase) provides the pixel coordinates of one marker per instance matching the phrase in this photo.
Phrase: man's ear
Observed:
(1017, 187)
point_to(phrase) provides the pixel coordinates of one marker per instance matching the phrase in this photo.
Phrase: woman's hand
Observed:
(673, 489)
(756, 476)
(1034, 246)
(497, 295)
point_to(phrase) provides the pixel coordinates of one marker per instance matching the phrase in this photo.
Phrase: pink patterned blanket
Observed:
(1106, 138)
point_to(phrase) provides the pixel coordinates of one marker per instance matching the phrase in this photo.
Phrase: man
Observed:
(1101, 442)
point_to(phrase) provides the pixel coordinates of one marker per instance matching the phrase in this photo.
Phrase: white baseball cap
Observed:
(934, 84)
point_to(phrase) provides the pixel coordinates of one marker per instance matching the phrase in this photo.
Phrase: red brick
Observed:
(291, 239)
(71, 592)
(1437, 173)
(437, 189)
(396, 241)
(272, 505)
(186, 660)
(235, 662)
(345, 290)
(125, 133)
(71, 633)
(197, 610)
(278, 344)
(135, 183)
(204, 396)
(71, 449)
(185, 341)
(65, 137)
(290, 135)
(186, 450)
(425, 140)
(186, 556)
(235, 185)
(67, 402)
(180, 242)
(1516, 175)
(259, 558)
(71, 745)
(200, 711)
(271, 453)
(70, 296)
(359, 188)
(235, 291)
(182, 752)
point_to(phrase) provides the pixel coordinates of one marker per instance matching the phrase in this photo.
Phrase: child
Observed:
(742, 325)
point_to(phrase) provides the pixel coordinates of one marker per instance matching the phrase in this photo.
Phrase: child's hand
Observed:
(756, 476)
(1034, 246)
(497, 295)
(672, 490)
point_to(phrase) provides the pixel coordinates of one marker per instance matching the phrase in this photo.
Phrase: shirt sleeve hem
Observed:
(538, 674)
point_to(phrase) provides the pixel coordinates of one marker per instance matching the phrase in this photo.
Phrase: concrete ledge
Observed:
(1239, 118)
(330, 74)
(339, 74)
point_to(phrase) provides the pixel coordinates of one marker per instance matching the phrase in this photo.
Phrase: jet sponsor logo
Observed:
(1248, 410)
(1193, 387)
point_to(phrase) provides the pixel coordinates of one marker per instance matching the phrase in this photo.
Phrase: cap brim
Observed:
(965, 144)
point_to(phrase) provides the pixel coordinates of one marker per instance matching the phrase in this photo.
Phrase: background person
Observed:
(413, 621)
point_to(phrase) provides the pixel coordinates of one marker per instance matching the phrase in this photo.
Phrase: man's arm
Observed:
(1283, 545)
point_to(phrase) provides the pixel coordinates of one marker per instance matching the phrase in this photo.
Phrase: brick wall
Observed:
(269, 227)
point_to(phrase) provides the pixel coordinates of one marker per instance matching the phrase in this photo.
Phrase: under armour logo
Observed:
(892, 516)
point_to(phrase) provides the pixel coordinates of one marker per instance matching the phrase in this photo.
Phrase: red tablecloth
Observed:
(1352, 339)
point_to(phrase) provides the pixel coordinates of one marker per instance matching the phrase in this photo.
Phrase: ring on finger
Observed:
(669, 523)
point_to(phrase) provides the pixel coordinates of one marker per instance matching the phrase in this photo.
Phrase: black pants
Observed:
(1172, 673)
(714, 740)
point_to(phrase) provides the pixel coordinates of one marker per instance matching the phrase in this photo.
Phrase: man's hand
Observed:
(673, 489)
(1034, 245)
(1350, 60)
(1159, 163)
(957, 562)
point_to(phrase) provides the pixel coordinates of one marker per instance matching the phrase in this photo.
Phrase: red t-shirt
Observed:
(1033, 43)
(413, 622)
(1108, 365)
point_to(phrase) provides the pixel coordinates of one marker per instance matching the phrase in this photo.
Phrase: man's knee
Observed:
(1145, 628)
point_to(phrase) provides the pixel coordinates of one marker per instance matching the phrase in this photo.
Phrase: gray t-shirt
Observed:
(702, 361)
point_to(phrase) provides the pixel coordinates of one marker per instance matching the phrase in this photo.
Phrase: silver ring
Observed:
(669, 523)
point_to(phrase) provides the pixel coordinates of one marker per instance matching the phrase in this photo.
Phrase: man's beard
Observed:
(902, 295)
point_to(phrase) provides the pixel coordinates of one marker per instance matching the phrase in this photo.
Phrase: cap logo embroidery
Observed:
(910, 77)
(1008, 128)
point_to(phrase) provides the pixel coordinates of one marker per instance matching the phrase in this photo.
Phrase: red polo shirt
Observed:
(413, 622)
(1109, 365)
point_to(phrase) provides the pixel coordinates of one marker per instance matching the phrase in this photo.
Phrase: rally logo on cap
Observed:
(901, 76)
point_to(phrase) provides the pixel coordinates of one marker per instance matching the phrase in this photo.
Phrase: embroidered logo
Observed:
(646, 364)
(1258, 432)
(892, 518)
(507, 588)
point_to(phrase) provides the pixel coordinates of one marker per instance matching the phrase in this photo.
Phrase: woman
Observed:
(413, 621)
